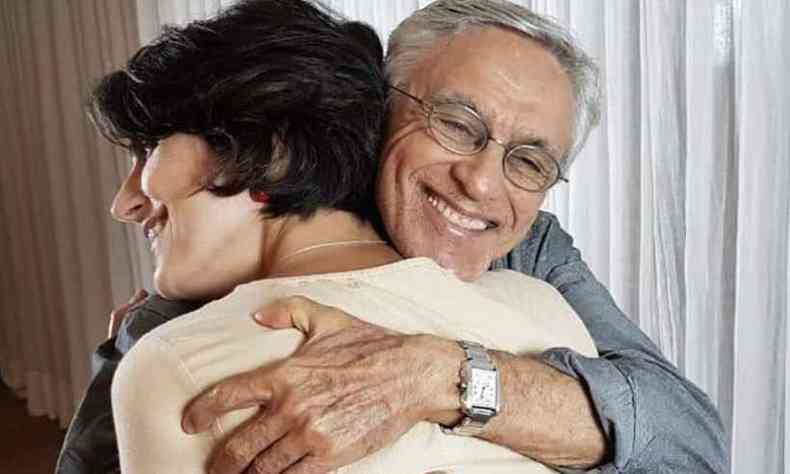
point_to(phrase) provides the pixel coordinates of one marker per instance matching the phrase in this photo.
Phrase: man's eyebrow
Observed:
(540, 142)
(458, 98)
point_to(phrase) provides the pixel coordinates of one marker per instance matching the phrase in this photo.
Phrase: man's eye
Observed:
(528, 163)
(457, 128)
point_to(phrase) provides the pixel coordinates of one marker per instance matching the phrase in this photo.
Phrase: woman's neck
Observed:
(328, 242)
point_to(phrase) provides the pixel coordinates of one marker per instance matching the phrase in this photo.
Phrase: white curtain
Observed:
(680, 202)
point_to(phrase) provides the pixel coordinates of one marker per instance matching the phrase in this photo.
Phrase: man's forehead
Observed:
(505, 77)
(462, 66)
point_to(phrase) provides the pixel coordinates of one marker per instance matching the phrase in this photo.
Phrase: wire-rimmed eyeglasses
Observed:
(459, 129)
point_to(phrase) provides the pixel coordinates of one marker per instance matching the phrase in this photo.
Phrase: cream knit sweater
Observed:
(502, 310)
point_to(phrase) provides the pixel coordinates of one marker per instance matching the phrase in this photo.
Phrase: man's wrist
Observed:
(480, 390)
(439, 398)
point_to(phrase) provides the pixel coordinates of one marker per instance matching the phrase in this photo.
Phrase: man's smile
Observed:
(455, 216)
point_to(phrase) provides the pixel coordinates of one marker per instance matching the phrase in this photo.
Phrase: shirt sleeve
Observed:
(89, 446)
(654, 418)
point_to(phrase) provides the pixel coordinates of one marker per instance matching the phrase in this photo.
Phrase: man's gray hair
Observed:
(419, 33)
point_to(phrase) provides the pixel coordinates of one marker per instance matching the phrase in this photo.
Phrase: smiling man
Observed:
(490, 104)
(466, 189)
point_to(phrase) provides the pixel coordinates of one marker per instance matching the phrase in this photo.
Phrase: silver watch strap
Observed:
(466, 427)
(473, 423)
(477, 355)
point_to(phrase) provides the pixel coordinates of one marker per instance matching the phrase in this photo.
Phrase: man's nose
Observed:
(130, 203)
(481, 176)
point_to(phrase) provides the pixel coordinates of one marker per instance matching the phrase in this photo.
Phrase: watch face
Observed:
(482, 389)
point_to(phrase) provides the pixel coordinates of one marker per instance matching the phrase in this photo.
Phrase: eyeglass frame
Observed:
(429, 108)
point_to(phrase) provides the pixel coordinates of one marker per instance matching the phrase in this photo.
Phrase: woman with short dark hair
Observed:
(278, 99)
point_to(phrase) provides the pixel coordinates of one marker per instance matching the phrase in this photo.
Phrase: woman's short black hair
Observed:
(289, 95)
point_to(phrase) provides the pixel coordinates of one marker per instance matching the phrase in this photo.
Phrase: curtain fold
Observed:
(61, 250)
(711, 207)
(763, 108)
(680, 202)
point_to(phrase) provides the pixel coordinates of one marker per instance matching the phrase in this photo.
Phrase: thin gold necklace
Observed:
(341, 243)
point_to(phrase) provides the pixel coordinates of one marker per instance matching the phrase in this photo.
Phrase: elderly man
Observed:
(481, 89)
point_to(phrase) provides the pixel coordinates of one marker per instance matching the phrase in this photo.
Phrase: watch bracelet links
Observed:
(475, 352)
(477, 355)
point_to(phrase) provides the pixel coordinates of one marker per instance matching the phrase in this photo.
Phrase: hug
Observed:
(353, 273)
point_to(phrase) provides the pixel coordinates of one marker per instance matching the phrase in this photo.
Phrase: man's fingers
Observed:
(115, 324)
(287, 451)
(238, 451)
(307, 465)
(118, 314)
(239, 391)
(140, 295)
(304, 314)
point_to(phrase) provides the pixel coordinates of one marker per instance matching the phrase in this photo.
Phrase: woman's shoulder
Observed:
(510, 286)
(540, 306)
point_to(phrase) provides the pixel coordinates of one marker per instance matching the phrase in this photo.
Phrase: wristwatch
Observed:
(480, 390)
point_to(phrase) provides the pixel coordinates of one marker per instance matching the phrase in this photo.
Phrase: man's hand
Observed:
(351, 389)
(118, 314)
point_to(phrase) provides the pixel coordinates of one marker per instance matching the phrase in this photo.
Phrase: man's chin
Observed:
(463, 269)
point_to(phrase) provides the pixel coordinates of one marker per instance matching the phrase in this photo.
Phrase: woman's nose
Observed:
(131, 205)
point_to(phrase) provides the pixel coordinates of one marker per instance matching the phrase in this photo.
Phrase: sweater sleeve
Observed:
(655, 419)
(148, 394)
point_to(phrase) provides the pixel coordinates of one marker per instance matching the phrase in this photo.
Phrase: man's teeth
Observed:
(458, 219)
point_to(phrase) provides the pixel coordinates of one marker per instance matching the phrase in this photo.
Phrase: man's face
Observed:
(461, 210)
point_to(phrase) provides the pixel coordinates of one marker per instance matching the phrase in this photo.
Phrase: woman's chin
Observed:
(165, 290)
(186, 288)
(172, 288)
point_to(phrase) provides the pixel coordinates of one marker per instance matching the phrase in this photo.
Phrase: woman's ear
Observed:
(259, 196)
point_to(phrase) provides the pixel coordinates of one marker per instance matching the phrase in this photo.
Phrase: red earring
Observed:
(259, 196)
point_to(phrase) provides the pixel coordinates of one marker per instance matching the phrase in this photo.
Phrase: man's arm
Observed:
(654, 418)
(374, 384)
(546, 414)
(557, 407)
